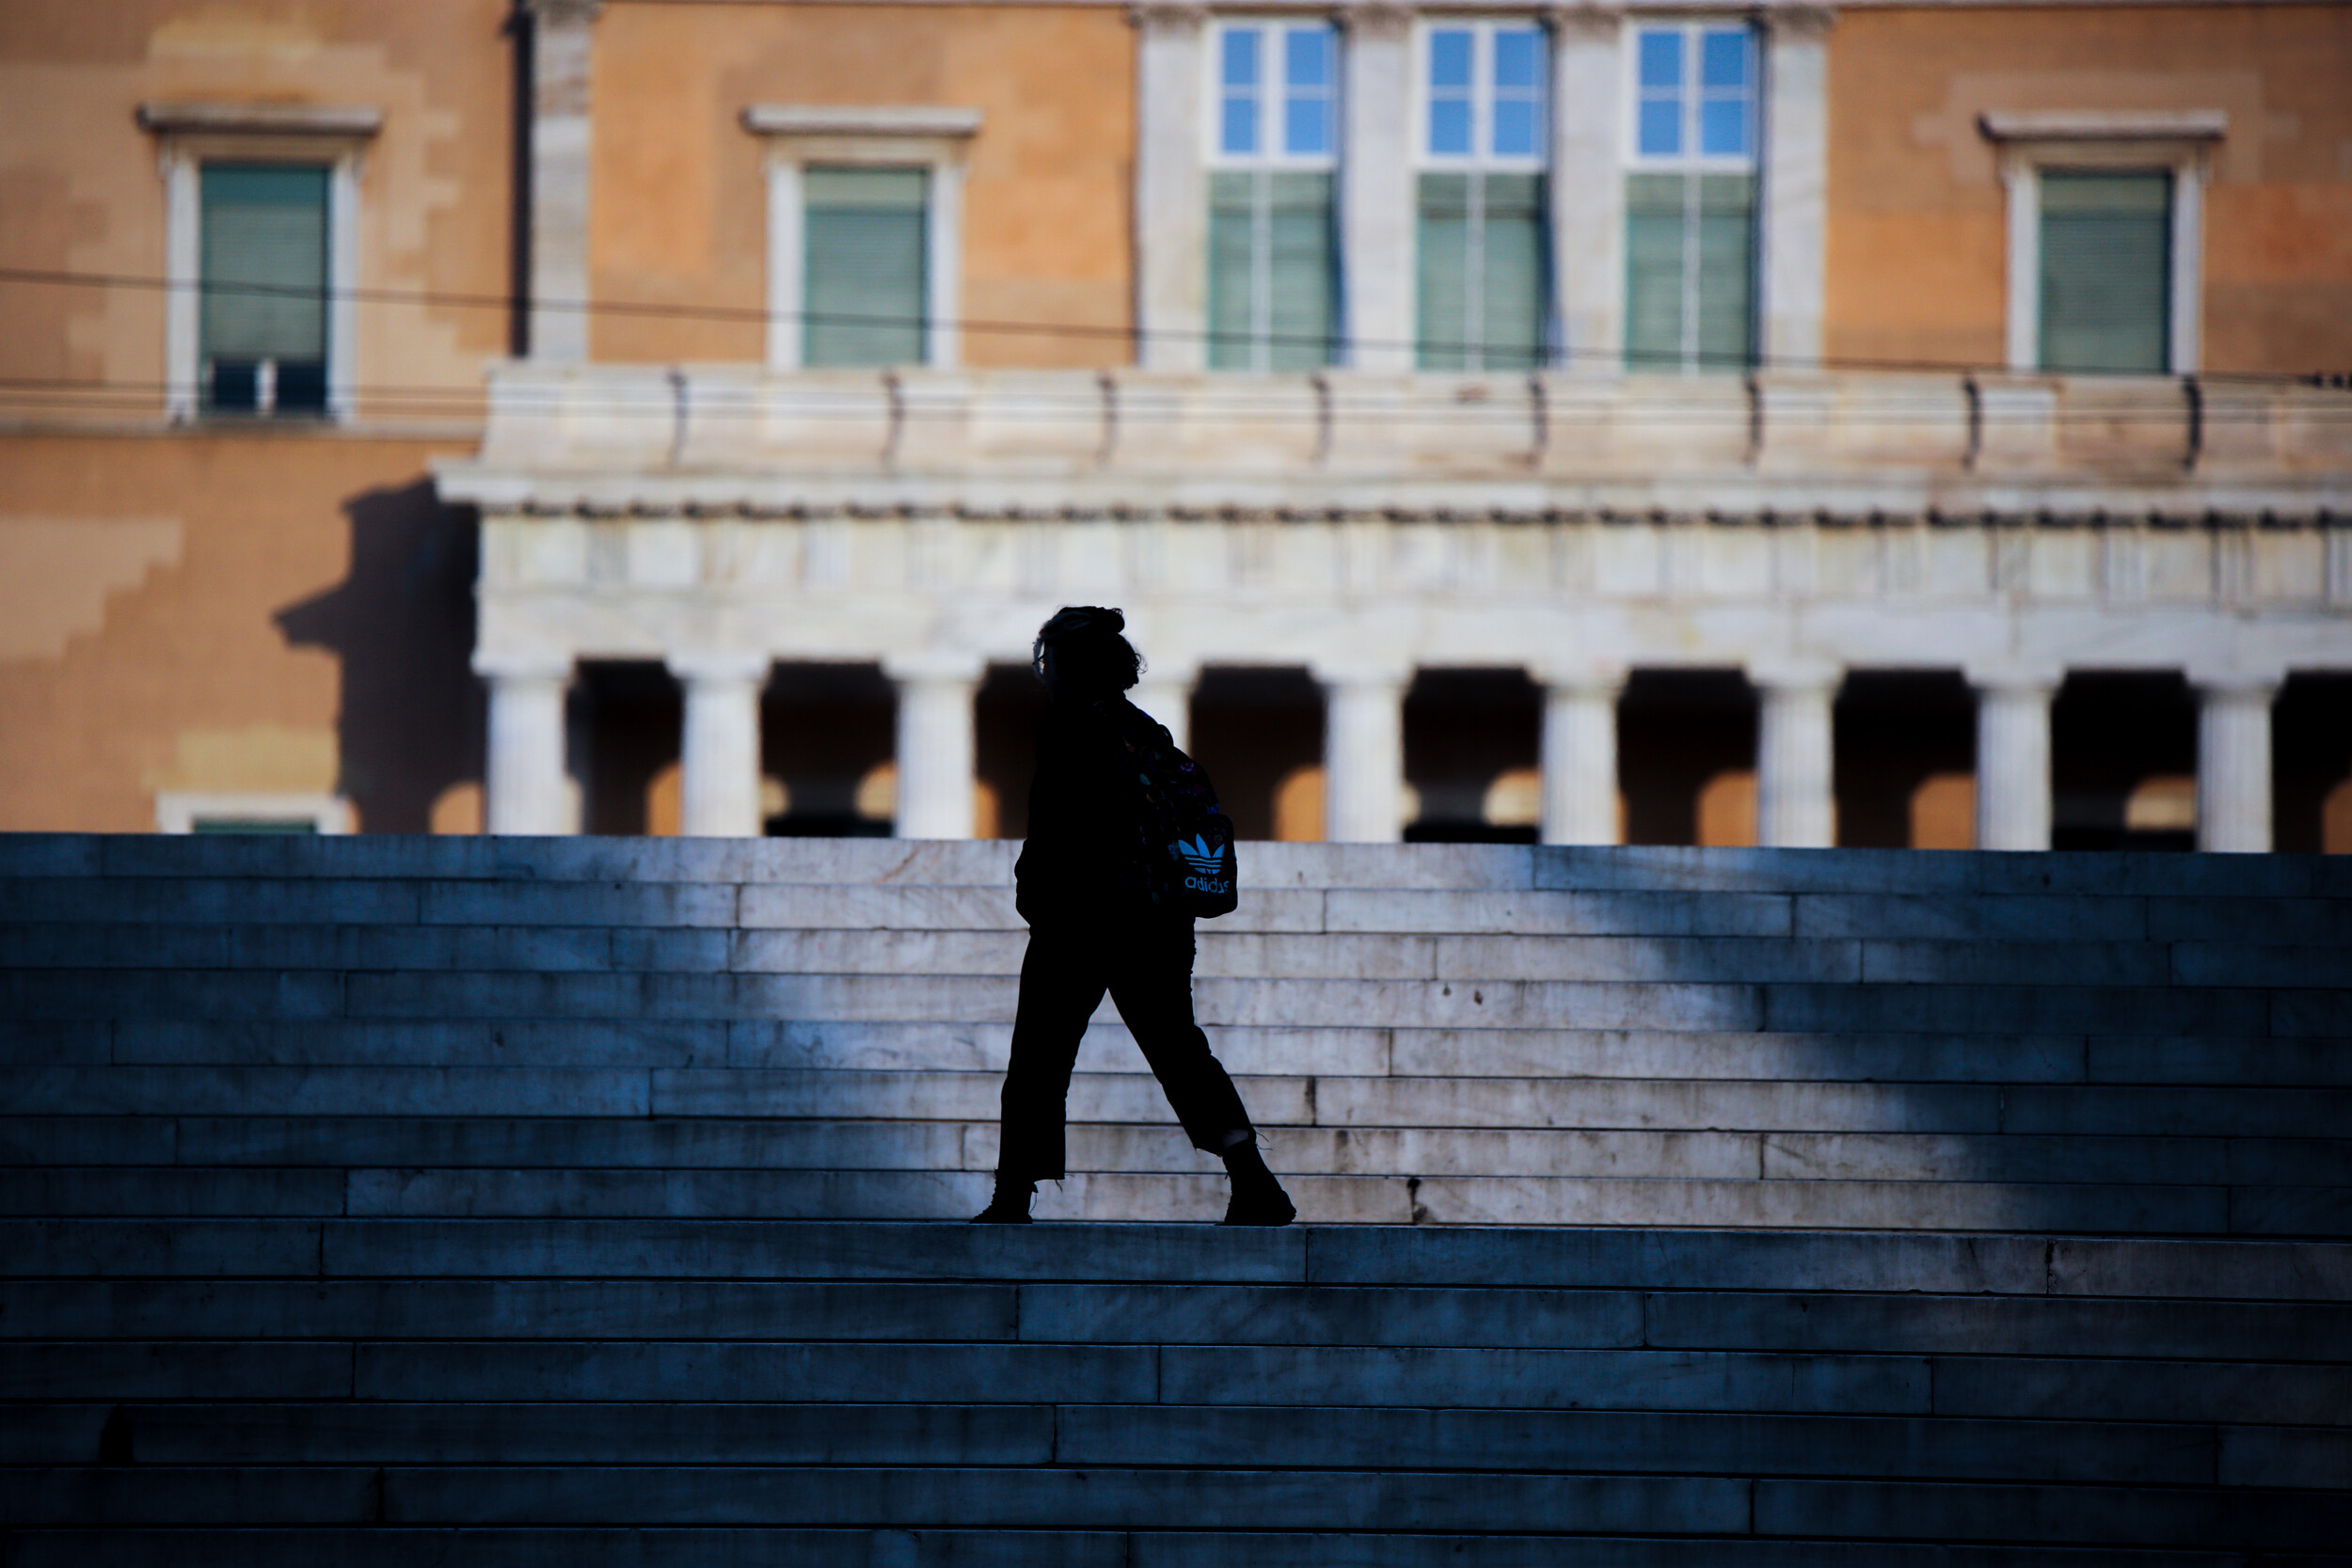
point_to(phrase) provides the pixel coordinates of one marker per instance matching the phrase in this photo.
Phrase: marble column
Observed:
(1795, 220)
(935, 745)
(2013, 760)
(1794, 805)
(1166, 694)
(561, 36)
(1377, 187)
(719, 750)
(1363, 756)
(1588, 184)
(1580, 759)
(526, 787)
(2233, 765)
(1171, 189)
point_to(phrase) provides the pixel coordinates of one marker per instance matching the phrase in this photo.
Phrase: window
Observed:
(260, 239)
(262, 275)
(864, 218)
(1481, 276)
(865, 267)
(1690, 199)
(1273, 293)
(2105, 239)
(2105, 214)
(178, 812)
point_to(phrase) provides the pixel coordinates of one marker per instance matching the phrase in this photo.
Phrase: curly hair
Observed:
(1089, 655)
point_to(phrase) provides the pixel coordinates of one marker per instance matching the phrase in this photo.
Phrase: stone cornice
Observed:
(229, 118)
(2071, 125)
(859, 119)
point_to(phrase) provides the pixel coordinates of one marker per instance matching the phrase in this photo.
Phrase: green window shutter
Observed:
(1727, 271)
(1271, 294)
(1653, 266)
(1443, 256)
(1300, 296)
(1233, 242)
(263, 263)
(864, 294)
(1512, 251)
(2107, 271)
(1480, 259)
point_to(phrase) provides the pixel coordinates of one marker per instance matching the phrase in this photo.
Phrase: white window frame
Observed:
(1481, 158)
(191, 136)
(2178, 143)
(1271, 87)
(936, 140)
(1690, 159)
(178, 812)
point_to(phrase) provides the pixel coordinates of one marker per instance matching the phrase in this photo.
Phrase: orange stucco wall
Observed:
(80, 191)
(1917, 246)
(232, 614)
(680, 203)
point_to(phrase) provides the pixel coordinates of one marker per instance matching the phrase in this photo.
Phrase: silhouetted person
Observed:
(1091, 928)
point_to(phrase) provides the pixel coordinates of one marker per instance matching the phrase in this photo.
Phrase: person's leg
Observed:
(1062, 985)
(1150, 981)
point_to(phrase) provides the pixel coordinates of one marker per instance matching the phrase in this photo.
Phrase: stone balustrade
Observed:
(633, 437)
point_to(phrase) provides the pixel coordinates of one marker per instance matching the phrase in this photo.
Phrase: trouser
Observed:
(1147, 968)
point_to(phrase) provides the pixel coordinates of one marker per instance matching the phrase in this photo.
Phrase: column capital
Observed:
(1795, 674)
(698, 665)
(1341, 674)
(934, 667)
(2043, 678)
(501, 665)
(564, 13)
(1594, 676)
(1801, 22)
(2237, 685)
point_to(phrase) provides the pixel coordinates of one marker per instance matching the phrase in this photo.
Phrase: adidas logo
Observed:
(1198, 856)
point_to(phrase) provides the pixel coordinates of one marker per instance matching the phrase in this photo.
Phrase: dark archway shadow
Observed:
(402, 626)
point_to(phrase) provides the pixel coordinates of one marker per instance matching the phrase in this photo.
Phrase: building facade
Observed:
(1889, 423)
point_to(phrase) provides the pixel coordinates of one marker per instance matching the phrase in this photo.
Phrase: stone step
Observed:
(1323, 1438)
(2010, 1264)
(829, 953)
(139, 995)
(380, 1545)
(1547, 1103)
(259, 905)
(1110, 1196)
(1229, 1499)
(1361, 1051)
(1168, 1314)
(1266, 866)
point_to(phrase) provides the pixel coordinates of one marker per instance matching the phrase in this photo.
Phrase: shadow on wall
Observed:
(409, 728)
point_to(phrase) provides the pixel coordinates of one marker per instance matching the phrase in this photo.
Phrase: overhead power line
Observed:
(1129, 336)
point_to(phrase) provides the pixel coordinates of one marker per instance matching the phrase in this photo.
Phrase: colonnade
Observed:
(1365, 751)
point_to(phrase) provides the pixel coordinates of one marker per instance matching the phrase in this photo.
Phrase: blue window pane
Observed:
(1450, 58)
(1518, 56)
(1239, 132)
(1306, 125)
(1515, 128)
(1662, 59)
(1307, 57)
(1450, 126)
(1241, 57)
(1662, 127)
(1723, 56)
(1724, 126)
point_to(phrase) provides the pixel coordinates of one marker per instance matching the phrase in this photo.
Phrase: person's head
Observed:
(1080, 652)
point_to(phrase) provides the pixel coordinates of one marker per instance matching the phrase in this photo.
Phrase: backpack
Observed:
(1185, 842)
